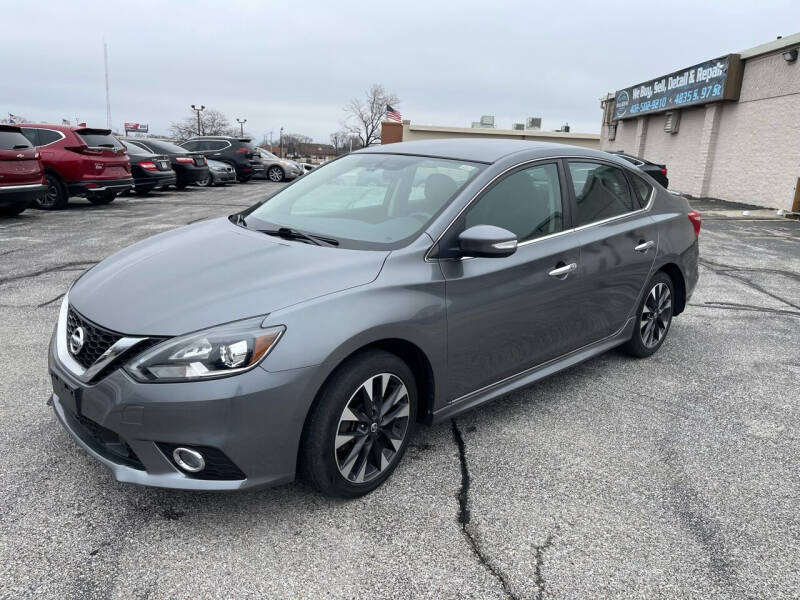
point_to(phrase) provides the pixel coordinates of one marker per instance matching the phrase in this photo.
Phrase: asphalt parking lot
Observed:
(674, 477)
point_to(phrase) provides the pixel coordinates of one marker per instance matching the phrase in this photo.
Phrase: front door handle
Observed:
(563, 271)
(644, 246)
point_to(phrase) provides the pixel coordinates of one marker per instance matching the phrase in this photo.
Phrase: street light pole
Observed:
(198, 111)
(241, 125)
(281, 142)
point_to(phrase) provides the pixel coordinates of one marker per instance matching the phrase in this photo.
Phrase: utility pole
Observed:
(241, 125)
(108, 97)
(281, 142)
(198, 111)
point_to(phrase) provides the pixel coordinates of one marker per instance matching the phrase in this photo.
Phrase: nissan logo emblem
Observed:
(76, 340)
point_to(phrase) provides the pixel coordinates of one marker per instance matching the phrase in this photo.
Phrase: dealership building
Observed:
(726, 128)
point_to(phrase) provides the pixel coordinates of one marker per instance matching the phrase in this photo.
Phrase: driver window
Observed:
(526, 203)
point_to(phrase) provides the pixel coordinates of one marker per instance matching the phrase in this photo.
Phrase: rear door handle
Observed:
(563, 271)
(644, 246)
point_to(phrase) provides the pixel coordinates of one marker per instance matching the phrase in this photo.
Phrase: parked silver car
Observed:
(219, 173)
(279, 169)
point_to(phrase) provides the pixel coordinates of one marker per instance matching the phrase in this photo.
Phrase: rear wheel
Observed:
(143, 191)
(55, 197)
(12, 210)
(180, 186)
(275, 174)
(360, 425)
(103, 198)
(653, 318)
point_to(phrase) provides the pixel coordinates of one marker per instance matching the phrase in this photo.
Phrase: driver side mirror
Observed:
(487, 241)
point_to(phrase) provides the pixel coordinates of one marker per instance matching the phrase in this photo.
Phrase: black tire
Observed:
(207, 182)
(12, 210)
(276, 174)
(326, 424)
(143, 191)
(55, 197)
(180, 186)
(244, 178)
(102, 198)
(653, 317)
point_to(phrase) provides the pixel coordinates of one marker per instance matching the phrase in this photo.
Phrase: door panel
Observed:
(618, 243)
(505, 315)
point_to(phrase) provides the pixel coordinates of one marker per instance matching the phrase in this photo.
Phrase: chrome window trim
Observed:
(65, 358)
(427, 257)
(61, 133)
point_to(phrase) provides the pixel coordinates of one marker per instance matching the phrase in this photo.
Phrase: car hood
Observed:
(210, 273)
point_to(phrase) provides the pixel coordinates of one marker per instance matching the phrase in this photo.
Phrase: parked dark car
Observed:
(189, 167)
(656, 171)
(392, 286)
(149, 170)
(21, 174)
(219, 173)
(79, 161)
(238, 152)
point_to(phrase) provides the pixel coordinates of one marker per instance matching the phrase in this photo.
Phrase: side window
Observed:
(47, 136)
(32, 135)
(192, 146)
(527, 203)
(601, 192)
(215, 145)
(642, 190)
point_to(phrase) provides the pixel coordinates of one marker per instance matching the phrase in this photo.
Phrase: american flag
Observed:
(393, 114)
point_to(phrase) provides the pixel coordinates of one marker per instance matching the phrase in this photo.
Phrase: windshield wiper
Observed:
(295, 234)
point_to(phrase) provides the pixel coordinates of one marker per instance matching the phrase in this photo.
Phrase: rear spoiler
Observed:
(93, 131)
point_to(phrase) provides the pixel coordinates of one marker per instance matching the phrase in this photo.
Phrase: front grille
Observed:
(104, 441)
(218, 466)
(96, 340)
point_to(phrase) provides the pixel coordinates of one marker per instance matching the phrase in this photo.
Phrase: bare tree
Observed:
(296, 143)
(212, 122)
(364, 116)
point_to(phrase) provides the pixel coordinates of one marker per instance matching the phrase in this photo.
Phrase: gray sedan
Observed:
(279, 169)
(219, 173)
(395, 286)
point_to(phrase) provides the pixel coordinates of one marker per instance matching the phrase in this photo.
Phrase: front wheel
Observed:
(653, 317)
(360, 425)
(275, 174)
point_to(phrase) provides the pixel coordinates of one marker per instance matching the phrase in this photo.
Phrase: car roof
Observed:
(481, 150)
(62, 128)
(220, 137)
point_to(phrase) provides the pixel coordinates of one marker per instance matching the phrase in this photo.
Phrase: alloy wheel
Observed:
(50, 197)
(372, 428)
(275, 174)
(656, 315)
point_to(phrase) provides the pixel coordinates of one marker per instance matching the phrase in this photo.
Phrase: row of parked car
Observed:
(44, 165)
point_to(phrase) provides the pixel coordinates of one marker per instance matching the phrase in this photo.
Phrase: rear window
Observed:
(161, 146)
(135, 149)
(98, 140)
(13, 140)
(642, 190)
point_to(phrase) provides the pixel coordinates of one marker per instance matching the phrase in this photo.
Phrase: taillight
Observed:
(664, 171)
(148, 165)
(694, 217)
(184, 159)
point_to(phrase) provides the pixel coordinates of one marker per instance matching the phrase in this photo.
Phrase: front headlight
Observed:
(217, 352)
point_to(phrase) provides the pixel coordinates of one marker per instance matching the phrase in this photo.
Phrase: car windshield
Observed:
(370, 201)
(269, 155)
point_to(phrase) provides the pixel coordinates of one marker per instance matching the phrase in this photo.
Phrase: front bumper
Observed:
(255, 419)
(17, 194)
(94, 186)
(223, 176)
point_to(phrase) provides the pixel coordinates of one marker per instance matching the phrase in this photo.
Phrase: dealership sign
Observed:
(136, 128)
(711, 81)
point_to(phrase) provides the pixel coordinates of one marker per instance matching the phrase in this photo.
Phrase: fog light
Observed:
(189, 460)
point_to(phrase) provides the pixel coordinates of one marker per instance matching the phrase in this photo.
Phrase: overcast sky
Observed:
(296, 64)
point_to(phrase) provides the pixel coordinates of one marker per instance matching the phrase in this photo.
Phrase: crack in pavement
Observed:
(66, 266)
(464, 516)
(724, 267)
(539, 581)
(747, 308)
(730, 271)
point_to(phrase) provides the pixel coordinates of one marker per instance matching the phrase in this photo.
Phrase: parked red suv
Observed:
(79, 161)
(21, 176)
